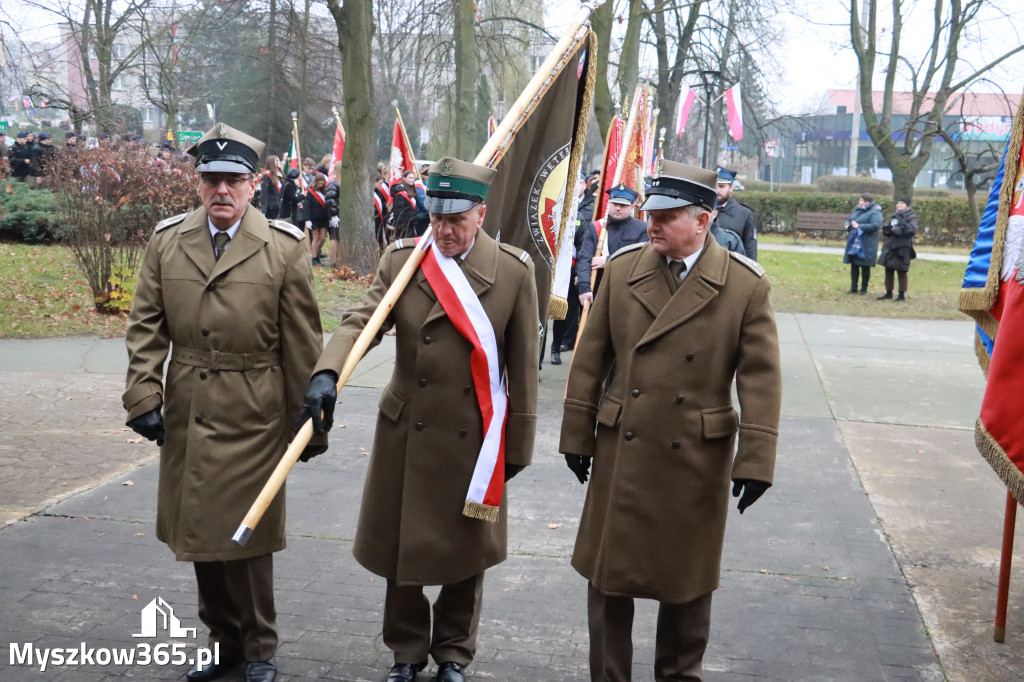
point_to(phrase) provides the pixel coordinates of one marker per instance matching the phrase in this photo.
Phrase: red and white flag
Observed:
(401, 155)
(293, 155)
(612, 149)
(338, 150)
(734, 111)
(686, 99)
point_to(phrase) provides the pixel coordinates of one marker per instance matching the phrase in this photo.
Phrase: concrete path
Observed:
(874, 557)
(839, 250)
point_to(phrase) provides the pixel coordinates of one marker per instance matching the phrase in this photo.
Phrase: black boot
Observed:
(901, 297)
(556, 357)
(887, 297)
(404, 672)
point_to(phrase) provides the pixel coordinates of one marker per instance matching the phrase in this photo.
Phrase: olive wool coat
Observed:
(664, 432)
(429, 430)
(227, 417)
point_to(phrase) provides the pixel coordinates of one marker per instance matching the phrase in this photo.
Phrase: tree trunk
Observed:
(604, 107)
(272, 72)
(354, 22)
(629, 59)
(466, 76)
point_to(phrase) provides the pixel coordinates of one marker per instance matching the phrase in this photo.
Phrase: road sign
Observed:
(3, 126)
(771, 148)
(186, 138)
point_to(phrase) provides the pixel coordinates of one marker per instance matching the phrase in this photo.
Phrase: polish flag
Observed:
(402, 158)
(339, 149)
(686, 98)
(293, 155)
(734, 110)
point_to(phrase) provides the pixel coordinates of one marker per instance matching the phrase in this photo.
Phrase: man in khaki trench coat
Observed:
(688, 317)
(413, 524)
(230, 295)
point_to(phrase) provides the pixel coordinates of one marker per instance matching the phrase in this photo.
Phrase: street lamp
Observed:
(709, 78)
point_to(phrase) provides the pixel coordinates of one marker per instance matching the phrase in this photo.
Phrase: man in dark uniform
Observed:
(21, 157)
(42, 156)
(674, 322)
(422, 520)
(726, 237)
(732, 215)
(623, 230)
(230, 295)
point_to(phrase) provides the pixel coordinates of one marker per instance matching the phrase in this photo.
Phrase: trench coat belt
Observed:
(216, 361)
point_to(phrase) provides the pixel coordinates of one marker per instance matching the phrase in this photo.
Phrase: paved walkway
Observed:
(839, 250)
(874, 557)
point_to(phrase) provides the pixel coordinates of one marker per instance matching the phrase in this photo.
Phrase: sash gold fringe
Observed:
(558, 307)
(996, 457)
(475, 510)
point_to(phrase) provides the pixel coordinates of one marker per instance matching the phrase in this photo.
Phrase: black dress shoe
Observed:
(261, 671)
(449, 671)
(405, 672)
(212, 671)
(566, 346)
(556, 357)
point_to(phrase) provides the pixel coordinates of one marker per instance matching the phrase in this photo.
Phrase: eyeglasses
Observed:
(233, 181)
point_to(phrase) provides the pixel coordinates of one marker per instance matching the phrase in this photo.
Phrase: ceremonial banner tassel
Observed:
(508, 130)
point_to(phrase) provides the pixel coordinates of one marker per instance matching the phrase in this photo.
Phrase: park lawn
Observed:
(45, 295)
(819, 283)
(839, 241)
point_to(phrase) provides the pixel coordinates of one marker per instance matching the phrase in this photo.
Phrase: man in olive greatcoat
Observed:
(424, 519)
(230, 295)
(732, 215)
(674, 322)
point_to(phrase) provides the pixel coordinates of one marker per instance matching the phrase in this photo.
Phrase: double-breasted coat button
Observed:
(463, 433)
(199, 420)
(636, 392)
(679, 399)
(675, 445)
(204, 331)
(202, 375)
(423, 382)
(467, 389)
(629, 435)
(211, 286)
(427, 340)
(641, 350)
(419, 426)
(689, 356)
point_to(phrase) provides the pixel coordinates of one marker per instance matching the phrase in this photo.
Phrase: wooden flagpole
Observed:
(1003, 592)
(489, 156)
(337, 118)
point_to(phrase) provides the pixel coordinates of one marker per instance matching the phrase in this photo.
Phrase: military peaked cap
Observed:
(226, 150)
(726, 176)
(677, 184)
(621, 194)
(455, 186)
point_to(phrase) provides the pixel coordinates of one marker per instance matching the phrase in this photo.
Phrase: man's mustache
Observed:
(222, 202)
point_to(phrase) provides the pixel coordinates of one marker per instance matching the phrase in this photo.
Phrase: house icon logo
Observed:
(158, 615)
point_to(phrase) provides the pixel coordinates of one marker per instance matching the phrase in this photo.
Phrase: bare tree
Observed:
(934, 79)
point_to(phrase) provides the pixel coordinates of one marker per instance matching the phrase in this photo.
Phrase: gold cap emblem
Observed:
(446, 167)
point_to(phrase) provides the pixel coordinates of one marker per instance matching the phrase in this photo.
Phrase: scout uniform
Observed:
(241, 324)
(416, 525)
(662, 433)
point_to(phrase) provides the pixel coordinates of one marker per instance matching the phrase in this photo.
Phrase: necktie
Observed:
(677, 268)
(220, 242)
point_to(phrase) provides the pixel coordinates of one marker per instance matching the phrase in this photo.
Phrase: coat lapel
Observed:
(480, 268)
(195, 241)
(698, 289)
(252, 235)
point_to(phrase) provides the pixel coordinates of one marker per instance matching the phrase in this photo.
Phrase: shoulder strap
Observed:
(168, 222)
(751, 265)
(287, 228)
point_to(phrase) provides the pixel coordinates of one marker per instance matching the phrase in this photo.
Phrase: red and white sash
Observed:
(379, 205)
(270, 177)
(463, 308)
(319, 198)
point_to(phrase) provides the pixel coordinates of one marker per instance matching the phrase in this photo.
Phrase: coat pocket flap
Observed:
(391, 405)
(719, 422)
(609, 411)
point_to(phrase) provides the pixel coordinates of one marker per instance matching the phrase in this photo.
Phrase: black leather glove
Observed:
(312, 451)
(149, 425)
(752, 490)
(511, 470)
(321, 396)
(579, 466)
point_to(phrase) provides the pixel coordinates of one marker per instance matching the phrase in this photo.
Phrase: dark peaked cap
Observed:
(677, 184)
(226, 150)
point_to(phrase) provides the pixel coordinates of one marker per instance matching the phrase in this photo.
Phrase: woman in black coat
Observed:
(898, 249)
(291, 195)
(317, 216)
(271, 186)
(866, 216)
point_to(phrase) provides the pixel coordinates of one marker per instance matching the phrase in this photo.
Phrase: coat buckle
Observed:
(214, 360)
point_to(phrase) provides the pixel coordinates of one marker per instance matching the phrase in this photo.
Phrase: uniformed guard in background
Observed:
(623, 230)
(674, 321)
(230, 296)
(732, 215)
(424, 518)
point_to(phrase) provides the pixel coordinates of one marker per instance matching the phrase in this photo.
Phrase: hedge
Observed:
(26, 214)
(942, 220)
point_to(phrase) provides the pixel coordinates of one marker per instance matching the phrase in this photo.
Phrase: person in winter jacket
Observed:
(317, 217)
(271, 188)
(403, 213)
(331, 194)
(898, 249)
(866, 216)
(291, 195)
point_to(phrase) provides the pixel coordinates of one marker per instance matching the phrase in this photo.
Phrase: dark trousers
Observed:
(563, 332)
(865, 274)
(407, 629)
(236, 603)
(680, 642)
(889, 277)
